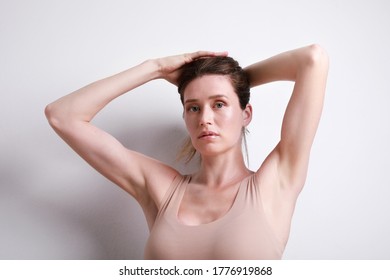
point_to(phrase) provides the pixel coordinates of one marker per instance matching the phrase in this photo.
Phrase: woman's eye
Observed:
(219, 105)
(193, 108)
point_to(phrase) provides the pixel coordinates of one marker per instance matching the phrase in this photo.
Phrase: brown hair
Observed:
(219, 65)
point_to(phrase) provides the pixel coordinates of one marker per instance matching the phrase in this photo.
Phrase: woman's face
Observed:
(213, 115)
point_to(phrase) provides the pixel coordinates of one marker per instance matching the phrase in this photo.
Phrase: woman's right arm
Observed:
(70, 116)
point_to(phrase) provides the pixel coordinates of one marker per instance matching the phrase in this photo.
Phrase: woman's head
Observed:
(220, 65)
(214, 88)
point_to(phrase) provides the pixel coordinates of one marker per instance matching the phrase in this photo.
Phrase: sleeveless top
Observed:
(242, 233)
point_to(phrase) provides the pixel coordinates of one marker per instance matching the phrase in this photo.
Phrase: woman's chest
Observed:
(199, 207)
(240, 234)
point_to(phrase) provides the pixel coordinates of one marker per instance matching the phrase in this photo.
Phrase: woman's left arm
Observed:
(308, 68)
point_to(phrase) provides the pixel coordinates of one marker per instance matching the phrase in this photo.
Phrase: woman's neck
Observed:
(221, 170)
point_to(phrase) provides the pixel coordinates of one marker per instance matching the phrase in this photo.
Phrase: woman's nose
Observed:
(206, 117)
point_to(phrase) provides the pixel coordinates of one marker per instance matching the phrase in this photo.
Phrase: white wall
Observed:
(54, 206)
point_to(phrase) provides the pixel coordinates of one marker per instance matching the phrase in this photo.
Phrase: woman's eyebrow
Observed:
(210, 97)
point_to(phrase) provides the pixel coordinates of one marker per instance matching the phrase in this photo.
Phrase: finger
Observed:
(199, 54)
(209, 53)
(224, 53)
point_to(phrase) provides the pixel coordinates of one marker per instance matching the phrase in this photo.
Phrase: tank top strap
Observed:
(252, 192)
(173, 193)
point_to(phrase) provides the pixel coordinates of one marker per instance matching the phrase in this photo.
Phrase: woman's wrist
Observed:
(151, 69)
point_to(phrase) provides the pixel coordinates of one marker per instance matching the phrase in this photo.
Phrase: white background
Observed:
(54, 206)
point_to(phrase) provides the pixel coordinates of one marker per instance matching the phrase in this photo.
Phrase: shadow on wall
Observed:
(159, 141)
(77, 214)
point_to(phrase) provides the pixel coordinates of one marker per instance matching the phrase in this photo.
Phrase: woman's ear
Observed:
(247, 115)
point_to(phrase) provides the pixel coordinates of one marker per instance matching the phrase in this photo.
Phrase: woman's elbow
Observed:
(53, 115)
(317, 56)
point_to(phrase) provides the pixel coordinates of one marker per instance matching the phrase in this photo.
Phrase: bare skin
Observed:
(214, 121)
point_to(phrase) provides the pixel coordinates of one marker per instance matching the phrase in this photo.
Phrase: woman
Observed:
(224, 210)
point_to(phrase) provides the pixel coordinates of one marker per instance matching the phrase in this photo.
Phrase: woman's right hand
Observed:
(169, 67)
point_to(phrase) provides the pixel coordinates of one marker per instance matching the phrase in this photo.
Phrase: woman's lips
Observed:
(208, 134)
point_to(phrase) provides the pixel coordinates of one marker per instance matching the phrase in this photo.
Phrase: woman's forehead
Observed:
(209, 85)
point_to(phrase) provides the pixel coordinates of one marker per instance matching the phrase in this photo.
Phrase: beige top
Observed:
(242, 233)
